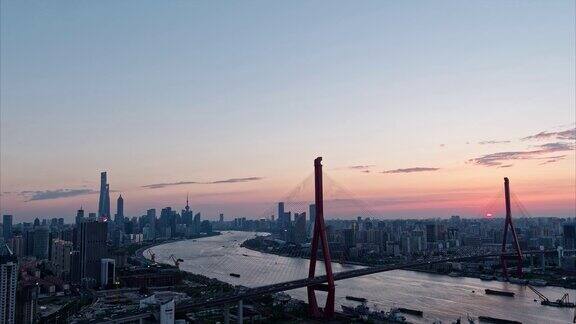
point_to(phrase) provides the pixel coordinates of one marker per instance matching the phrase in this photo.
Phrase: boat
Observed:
(499, 292)
(235, 275)
(358, 299)
(454, 274)
(486, 277)
(538, 282)
(411, 311)
(244, 254)
(488, 319)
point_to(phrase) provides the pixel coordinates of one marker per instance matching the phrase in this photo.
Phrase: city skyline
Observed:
(416, 113)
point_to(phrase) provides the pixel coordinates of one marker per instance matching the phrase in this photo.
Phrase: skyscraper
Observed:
(41, 242)
(300, 227)
(79, 216)
(8, 282)
(7, 227)
(92, 246)
(280, 216)
(61, 256)
(27, 307)
(119, 220)
(151, 218)
(197, 221)
(569, 234)
(104, 202)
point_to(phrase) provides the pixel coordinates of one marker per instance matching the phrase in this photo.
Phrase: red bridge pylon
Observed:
(508, 222)
(320, 235)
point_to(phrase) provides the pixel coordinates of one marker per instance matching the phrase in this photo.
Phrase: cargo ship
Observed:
(235, 275)
(358, 299)
(488, 319)
(411, 311)
(499, 292)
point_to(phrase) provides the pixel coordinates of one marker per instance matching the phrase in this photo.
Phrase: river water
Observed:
(440, 297)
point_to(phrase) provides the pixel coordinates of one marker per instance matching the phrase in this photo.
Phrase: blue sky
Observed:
(159, 92)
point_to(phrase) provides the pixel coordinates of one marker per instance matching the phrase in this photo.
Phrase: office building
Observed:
(16, 244)
(151, 219)
(300, 228)
(569, 234)
(41, 242)
(8, 283)
(92, 246)
(79, 216)
(107, 273)
(7, 227)
(197, 221)
(75, 267)
(27, 305)
(61, 256)
(119, 219)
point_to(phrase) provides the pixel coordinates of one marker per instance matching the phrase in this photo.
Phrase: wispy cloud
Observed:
(55, 194)
(168, 184)
(361, 167)
(411, 170)
(493, 142)
(499, 158)
(553, 159)
(236, 180)
(179, 183)
(569, 134)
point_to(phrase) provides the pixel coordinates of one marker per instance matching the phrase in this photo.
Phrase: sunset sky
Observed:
(418, 108)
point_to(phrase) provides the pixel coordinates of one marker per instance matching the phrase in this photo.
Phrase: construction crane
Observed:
(176, 261)
(562, 302)
(152, 256)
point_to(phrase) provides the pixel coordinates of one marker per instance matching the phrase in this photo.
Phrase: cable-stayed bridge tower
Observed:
(319, 236)
(516, 246)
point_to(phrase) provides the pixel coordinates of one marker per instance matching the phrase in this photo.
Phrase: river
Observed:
(440, 297)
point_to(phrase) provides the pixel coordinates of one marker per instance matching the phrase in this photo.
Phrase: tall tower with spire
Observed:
(104, 201)
(187, 214)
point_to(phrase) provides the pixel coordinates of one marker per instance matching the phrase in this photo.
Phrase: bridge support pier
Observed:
(240, 311)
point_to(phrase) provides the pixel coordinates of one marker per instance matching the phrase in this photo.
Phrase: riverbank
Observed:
(442, 298)
(139, 253)
(562, 283)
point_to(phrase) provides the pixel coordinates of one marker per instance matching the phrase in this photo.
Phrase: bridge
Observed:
(320, 252)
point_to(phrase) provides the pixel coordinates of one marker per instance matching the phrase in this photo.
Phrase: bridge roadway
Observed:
(188, 306)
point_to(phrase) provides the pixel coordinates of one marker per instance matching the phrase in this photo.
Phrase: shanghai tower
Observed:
(104, 202)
